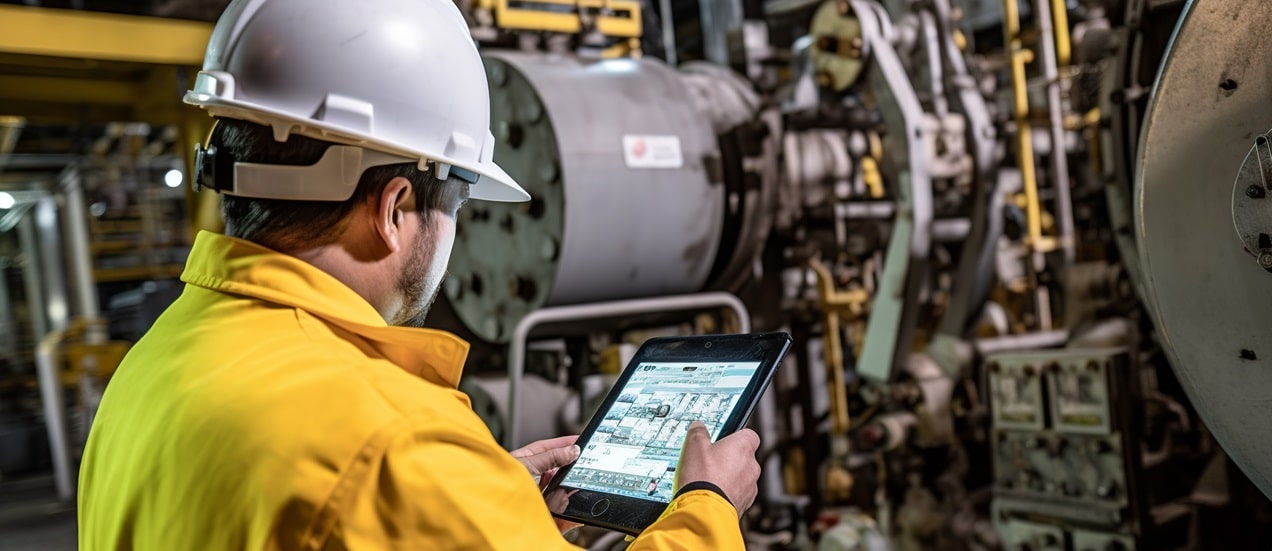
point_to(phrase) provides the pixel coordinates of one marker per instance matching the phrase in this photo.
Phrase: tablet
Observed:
(626, 473)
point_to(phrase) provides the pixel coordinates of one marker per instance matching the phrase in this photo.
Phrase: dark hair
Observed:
(288, 225)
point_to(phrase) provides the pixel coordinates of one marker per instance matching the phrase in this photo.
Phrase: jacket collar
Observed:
(239, 267)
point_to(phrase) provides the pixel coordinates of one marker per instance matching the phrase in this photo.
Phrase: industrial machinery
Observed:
(934, 196)
(991, 235)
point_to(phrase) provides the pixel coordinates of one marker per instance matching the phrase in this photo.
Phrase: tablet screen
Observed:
(636, 447)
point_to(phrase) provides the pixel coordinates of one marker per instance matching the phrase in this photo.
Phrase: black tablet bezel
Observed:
(632, 515)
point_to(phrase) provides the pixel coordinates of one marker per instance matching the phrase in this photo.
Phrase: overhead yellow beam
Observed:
(68, 90)
(46, 113)
(90, 35)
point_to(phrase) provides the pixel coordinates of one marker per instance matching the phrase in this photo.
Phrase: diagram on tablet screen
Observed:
(637, 445)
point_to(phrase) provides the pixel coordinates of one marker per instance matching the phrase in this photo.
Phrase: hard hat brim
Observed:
(495, 184)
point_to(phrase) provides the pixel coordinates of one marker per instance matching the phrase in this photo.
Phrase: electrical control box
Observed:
(1016, 390)
(1020, 535)
(1064, 425)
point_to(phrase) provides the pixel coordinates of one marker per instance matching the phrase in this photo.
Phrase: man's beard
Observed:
(413, 284)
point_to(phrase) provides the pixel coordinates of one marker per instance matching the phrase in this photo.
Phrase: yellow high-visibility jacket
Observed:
(271, 407)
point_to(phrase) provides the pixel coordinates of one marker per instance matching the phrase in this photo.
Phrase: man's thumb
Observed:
(555, 458)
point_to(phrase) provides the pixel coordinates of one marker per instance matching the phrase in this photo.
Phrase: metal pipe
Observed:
(46, 298)
(46, 361)
(766, 424)
(1055, 112)
(82, 282)
(931, 43)
(35, 292)
(951, 229)
(871, 210)
(1042, 302)
(668, 33)
(9, 337)
(1026, 341)
(599, 310)
(52, 270)
(718, 17)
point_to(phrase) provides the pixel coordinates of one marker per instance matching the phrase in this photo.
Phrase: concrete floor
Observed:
(32, 518)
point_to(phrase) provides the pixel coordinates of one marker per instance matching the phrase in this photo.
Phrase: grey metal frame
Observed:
(601, 310)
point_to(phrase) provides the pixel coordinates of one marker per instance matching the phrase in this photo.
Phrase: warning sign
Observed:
(652, 151)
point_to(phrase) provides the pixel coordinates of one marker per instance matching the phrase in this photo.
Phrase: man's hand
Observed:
(729, 464)
(542, 459)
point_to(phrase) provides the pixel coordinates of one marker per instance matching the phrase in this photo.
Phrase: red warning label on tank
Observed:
(646, 151)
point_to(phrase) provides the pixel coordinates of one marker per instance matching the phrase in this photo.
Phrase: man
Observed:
(285, 400)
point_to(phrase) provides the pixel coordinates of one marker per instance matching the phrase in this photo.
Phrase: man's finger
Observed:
(545, 445)
(745, 438)
(545, 478)
(696, 436)
(540, 463)
(698, 429)
(558, 500)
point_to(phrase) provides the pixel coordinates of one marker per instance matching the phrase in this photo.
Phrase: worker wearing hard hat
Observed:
(285, 400)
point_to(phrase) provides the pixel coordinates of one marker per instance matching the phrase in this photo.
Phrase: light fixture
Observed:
(6, 201)
(173, 178)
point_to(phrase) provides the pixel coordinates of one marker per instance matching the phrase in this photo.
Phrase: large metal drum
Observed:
(624, 175)
(1203, 214)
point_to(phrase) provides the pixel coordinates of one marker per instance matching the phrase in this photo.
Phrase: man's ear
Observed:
(391, 207)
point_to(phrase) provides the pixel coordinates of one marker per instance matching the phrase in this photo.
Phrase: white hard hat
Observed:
(398, 77)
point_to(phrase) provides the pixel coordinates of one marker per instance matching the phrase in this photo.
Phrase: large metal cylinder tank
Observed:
(625, 177)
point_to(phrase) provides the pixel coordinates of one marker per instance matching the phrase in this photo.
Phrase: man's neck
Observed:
(365, 277)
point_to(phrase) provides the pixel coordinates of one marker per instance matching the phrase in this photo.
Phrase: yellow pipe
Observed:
(832, 348)
(1060, 22)
(517, 17)
(870, 173)
(872, 177)
(1024, 136)
(1092, 125)
(838, 391)
(1011, 25)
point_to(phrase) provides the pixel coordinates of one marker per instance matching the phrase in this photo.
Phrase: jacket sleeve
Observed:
(700, 519)
(449, 488)
(456, 489)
